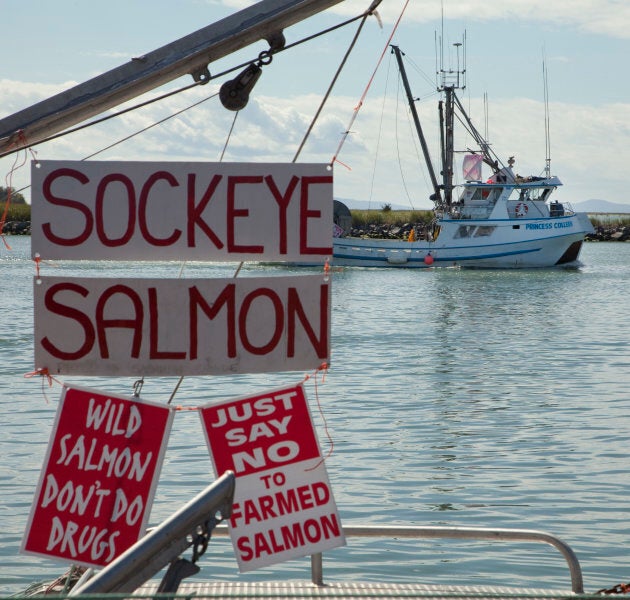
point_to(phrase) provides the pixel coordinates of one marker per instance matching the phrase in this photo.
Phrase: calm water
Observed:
(491, 399)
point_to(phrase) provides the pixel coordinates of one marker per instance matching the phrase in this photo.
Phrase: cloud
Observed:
(17, 95)
(603, 17)
(380, 159)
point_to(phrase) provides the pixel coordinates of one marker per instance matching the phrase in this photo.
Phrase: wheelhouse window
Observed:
(539, 193)
(487, 194)
(484, 230)
(464, 231)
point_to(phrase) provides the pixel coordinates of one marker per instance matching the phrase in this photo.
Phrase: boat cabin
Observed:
(508, 196)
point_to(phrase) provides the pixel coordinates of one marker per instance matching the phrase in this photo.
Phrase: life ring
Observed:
(521, 209)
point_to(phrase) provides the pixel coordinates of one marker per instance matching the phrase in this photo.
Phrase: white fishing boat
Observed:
(504, 220)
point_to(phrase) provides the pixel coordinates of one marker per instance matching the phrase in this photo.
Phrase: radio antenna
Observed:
(547, 130)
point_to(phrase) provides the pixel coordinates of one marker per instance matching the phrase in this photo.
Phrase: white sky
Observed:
(585, 44)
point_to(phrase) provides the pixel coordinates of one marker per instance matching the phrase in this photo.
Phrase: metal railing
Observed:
(164, 543)
(467, 533)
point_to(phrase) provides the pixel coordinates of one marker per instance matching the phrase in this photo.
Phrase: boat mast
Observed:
(436, 196)
(450, 81)
(547, 134)
(449, 149)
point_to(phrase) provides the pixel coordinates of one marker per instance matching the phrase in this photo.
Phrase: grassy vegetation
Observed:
(22, 212)
(395, 218)
(609, 220)
(18, 212)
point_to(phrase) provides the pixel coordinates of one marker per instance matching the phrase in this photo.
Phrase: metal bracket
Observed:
(201, 75)
(276, 41)
(177, 571)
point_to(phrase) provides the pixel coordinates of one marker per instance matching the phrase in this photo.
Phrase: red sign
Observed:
(91, 326)
(283, 504)
(96, 488)
(181, 211)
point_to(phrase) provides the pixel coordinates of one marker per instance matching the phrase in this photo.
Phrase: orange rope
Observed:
(45, 375)
(42, 373)
(323, 369)
(367, 87)
(37, 260)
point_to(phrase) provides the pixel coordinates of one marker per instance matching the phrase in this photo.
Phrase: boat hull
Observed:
(513, 244)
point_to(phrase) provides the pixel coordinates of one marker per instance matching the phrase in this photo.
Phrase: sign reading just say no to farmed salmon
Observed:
(283, 503)
(96, 487)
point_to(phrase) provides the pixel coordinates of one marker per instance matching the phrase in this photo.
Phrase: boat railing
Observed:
(165, 543)
(561, 209)
(460, 533)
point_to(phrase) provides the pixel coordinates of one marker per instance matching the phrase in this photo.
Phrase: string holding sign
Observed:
(323, 371)
(46, 376)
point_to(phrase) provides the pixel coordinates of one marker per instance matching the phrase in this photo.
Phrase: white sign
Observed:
(283, 503)
(122, 327)
(181, 211)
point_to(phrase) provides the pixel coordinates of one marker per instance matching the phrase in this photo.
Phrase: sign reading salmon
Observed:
(181, 211)
(93, 326)
(283, 504)
(99, 477)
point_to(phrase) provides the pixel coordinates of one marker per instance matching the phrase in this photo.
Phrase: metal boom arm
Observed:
(412, 106)
(188, 55)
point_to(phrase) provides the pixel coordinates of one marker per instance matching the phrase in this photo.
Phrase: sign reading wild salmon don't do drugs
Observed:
(99, 477)
(283, 503)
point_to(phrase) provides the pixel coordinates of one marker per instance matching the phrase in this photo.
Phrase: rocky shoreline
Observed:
(609, 234)
(17, 228)
(397, 232)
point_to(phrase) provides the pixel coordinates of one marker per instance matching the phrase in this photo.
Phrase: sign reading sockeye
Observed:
(181, 211)
(96, 487)
(283, 504)
(93, 326)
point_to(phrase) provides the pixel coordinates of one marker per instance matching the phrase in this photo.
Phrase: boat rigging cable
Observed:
(367, 87)
(336, 76)
(400, 159)
(378, 140)
(363, 18)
